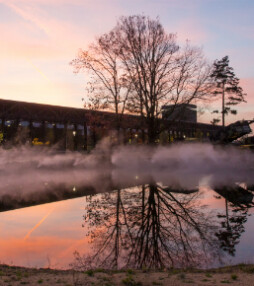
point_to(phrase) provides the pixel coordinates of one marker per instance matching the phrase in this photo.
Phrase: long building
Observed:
(78, 128)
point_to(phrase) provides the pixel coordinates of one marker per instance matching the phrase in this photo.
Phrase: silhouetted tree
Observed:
(108, 229)
(236, 214)
(170, 230)
(140, 67)
(227, 85)
(149, 227)
(160, 71)
(106, 87)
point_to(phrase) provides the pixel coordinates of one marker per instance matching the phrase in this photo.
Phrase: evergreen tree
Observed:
(227, 84)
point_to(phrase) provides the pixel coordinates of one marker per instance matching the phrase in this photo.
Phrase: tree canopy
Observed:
(138, 67)
(226, 85)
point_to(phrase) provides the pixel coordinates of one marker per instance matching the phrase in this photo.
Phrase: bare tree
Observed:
(106, 87)
(139, 67)
(159, 70)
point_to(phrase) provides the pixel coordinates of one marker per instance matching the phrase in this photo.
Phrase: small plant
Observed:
(1, 273)
(173, 271)
(18, 275)
(99, 270)
(181, 276)
(156, 283)
(248, 269)
(40, 281)
(130, 271)
(208, 275)
(89, 272)
(225, 281)
(108, 284)
(129, 281)
(104, 278)
(234, 276)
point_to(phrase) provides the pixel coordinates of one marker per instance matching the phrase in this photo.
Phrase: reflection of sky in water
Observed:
(47, 235)
(42, 235)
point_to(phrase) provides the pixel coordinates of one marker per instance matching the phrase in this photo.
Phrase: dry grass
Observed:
(242, 274)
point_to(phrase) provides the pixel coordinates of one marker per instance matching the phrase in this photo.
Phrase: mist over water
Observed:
(150, 202)
(27, 170)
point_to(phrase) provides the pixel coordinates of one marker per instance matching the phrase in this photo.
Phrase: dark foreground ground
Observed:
(242, 274)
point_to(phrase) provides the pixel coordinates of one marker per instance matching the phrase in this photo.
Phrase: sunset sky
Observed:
(40, 37)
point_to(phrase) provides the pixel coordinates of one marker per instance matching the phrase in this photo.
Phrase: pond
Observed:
(132, 208)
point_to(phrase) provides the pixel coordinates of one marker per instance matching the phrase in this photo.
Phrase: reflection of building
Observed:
(180, 112)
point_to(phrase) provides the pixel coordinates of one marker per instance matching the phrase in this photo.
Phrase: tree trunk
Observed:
(152, 132)
(223, 105)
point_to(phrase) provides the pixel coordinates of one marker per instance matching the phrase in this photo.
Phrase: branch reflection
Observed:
(152, 227)
(238, 201)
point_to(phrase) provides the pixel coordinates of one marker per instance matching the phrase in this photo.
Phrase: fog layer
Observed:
(181, 166)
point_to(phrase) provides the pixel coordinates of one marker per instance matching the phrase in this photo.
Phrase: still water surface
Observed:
(148, 225)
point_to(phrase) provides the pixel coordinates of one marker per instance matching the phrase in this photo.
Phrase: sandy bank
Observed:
(233, 275)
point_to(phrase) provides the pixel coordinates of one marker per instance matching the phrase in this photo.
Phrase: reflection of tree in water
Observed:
(108, 228)
(237, 204)
(149, 227)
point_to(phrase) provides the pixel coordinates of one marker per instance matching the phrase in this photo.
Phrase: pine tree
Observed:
(227, 85)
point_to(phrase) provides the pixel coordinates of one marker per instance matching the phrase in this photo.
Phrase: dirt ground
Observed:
(233, 275)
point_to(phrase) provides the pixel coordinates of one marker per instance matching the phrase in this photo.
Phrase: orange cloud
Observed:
(40, 250)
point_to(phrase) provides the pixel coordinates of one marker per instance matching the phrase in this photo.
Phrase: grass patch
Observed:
(209, 275)
(234, 276)
(248, 269)
(89, 272)
(100, 270)
(108, 284)
(181, 276)
(174, 271)
(129, 281)
(104, 278)
(225, 281)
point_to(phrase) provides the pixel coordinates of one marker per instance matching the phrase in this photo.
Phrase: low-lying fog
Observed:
(181, 166)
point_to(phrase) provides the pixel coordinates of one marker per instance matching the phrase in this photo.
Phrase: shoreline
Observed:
(241, 274)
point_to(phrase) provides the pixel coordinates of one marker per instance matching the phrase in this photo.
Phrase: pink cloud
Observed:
(190, 29)
(40, 35)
